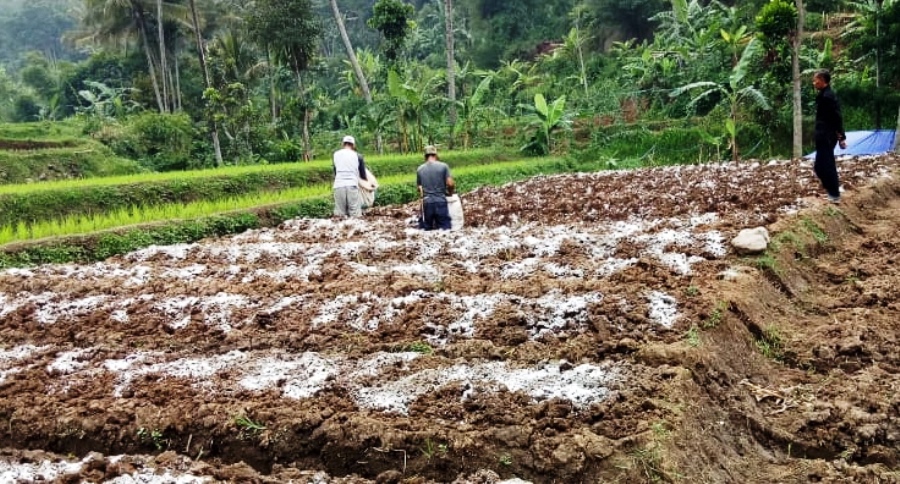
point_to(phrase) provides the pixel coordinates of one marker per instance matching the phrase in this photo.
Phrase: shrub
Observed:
(161, 142)
(25, 108)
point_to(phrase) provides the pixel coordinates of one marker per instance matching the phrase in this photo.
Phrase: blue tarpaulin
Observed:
(865, 143)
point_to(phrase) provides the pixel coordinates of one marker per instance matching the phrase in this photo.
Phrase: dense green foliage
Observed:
(652, 80)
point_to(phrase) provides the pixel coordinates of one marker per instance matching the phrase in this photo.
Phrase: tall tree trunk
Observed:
(201, 52)
(307, 151)
(797, 42)
(163, 66)
(451, 66)
(177, 84)
(878, 6)
(897, 135)
(151, 66)
(354, 62)
(580, 49)
(357, 70)
(272, 102)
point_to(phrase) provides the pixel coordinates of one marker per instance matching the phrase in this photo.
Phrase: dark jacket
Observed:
(829, 121)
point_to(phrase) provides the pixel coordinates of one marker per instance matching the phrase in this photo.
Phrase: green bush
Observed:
(161, 142)
(25, 108)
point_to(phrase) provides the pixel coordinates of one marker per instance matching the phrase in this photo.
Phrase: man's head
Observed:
(349, 142)
(430, 152)
(821, 79)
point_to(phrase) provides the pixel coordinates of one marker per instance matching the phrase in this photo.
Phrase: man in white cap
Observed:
(349, 168)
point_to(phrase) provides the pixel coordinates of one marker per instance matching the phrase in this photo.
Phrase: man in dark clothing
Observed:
(829, 132)
(434, 182)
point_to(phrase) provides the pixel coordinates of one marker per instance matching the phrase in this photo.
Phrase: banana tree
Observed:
(735, 93)
(473, 109)
(546, 119)
(414, 103)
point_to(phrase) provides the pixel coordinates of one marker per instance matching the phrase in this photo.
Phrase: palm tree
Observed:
(796, 44)
(451, 64)
(163, 66)
(354, 62)
(351, 55)
(112, 22)
(897, 135)
(201, 53)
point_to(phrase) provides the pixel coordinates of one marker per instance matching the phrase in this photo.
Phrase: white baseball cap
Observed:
(349, 139)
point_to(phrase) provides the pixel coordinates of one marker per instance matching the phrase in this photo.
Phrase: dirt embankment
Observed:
(796, 369)
(602, 338)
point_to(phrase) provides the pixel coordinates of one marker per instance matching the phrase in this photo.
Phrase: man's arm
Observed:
(419, 185)
(836, 118)
(451, 185)
(362, 167)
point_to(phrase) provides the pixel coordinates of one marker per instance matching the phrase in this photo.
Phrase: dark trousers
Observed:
(825, 167)
(435, 216)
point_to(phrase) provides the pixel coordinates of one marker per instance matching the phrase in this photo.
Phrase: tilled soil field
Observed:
(583, 328)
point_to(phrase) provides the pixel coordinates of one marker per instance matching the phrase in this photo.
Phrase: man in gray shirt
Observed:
(435, 183)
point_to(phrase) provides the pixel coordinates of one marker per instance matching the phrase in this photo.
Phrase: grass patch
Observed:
(648, 459)
(768, 262)
(692, 337)
(416, 347)
(431, 449)
(788, 238)
(813, 228)
(715, 316)
(833, 211)
(770, 343)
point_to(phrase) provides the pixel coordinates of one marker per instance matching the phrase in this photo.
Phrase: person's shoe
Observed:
(833, 199)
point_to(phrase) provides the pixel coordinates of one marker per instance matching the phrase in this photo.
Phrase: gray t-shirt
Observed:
(432, 177)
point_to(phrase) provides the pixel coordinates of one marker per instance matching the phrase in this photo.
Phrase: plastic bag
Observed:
(367, 189)
(454, 207)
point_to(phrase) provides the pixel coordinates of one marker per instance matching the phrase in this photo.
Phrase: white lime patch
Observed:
(583, 385)
(11, 359)
(663, 309)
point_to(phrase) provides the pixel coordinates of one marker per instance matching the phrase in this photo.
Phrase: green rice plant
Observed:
(40, 201)
(182, 229)
(133, 215)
